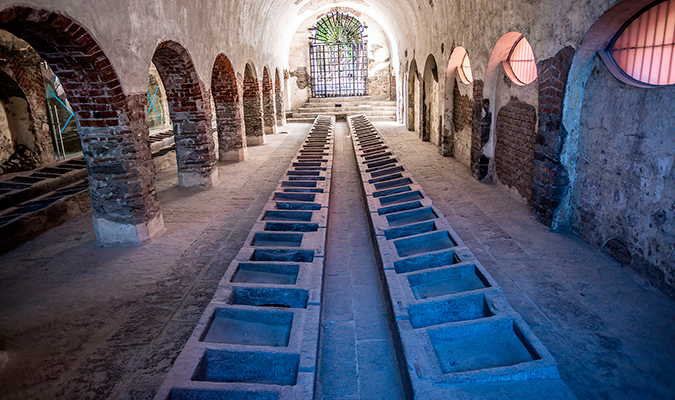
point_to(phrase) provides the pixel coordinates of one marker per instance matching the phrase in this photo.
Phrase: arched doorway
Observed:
(338, 57)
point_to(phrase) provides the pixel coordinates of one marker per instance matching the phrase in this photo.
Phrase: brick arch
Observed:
(253, 109)
(229, 111)
(125, 206)
(269, 112)
(279, 99)
(190, 111)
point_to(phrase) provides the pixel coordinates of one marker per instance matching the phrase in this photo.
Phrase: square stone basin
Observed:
(269, 239)
(288, 216)
(426, 261)
(247, 367)
(409, 230)
(291, 226)
(468, 347)
(411, 217)
(270, 273)
(389, 192)
(457, 309)
(458, 279)
(270, 297)
(385, 178)
(290, 255)
(401, 198)
(387, 171)
(302, 183)
(212, 394)
(283, 205)
(249, 328)
(302, 190)
(399, 207)
(424, 243)
(393, 183)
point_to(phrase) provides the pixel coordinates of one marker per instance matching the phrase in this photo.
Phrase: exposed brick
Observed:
(269, 113)
(252, 96)
(229, 106)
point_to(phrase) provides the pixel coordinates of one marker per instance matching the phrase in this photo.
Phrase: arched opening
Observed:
(16, 136)
(161, 140)
(189, 108)
(229, 110)
(123, 195)
(458, 106)
(513, 105)
(253, 113)
(279, 99)
(338, 56)
(412, 114)
(430, 124)
(269, 113)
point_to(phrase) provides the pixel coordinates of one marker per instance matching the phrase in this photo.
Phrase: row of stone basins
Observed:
(458, 336)
(258, 337)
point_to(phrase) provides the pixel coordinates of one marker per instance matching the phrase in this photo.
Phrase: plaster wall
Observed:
(379, 59)
(625, 187)
(6, 142)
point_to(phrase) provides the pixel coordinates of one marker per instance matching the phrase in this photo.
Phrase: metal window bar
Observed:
(338, 57)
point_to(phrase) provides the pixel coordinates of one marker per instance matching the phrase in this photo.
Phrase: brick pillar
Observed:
(480, 131)
(191, 116)
(121, 178)
(231, 132)
(253, 113)
(279, 99)
(269, 112)
(550, 180)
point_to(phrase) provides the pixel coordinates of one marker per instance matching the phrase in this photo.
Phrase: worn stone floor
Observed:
(611, 332)
(82, 322)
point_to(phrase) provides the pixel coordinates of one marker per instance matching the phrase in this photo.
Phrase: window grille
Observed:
(465, 73)
(522, 63)
(644, 48)
(338, 57)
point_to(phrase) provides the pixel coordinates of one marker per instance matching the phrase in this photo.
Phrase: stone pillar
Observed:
(232, 132)
(280, 111)
(253, 113)
(269, 113)
(121, 179)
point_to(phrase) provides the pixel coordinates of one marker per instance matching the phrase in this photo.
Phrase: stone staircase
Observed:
(375, 110)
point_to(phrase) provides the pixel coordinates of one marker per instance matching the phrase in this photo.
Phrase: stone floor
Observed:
(81, 322)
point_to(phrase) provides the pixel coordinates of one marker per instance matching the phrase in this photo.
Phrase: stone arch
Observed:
(458, 116)
(269, 112)
(430, 126)
(411, 113)
(110, 123)
(229, 111)
(513, 128)
(190, 111)
(253, 110)
(279, 98)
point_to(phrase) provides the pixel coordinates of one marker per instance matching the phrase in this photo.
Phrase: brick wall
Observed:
(190, 110)
(111, 124)
(229, 107)
(550, 179)
(515, 133)
(462, 122)
(253, 113)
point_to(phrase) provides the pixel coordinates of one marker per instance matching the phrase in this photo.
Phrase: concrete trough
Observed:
(258, 337)
(454, 324)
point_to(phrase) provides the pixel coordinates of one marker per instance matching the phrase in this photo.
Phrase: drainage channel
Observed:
(458, 335)
(258, 337)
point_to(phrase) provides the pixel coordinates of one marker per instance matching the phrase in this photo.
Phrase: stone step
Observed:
(331, 113)
(359, 99)
(347, 109)
(383, 103)
(308, 120)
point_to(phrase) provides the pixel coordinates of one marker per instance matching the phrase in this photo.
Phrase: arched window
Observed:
(642, 52)
(520, 64)
(338, 57)
(465, 74)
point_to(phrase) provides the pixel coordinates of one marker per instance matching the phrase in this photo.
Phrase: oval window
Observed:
(521, 62)
(465, 74)
(643, 48)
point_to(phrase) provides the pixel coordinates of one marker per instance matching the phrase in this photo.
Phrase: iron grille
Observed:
(338, 57)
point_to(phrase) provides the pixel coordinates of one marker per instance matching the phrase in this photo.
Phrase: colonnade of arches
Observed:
(113, 127)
